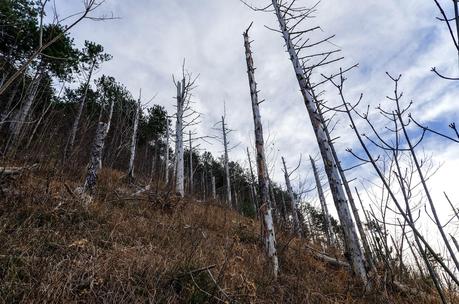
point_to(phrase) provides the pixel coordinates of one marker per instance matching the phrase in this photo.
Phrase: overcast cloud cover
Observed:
(152, 38)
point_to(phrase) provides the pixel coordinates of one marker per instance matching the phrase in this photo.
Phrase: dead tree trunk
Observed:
(214, 192)
(21, 117)
(227, 172)
(96, 158)
(354, 209)
(296, 222)
(355, 255)
(323, 204)
(134, 140)
(167, 153)
(109, 122)
(265, 206)
(97, 149)
(179, 176)
(253, 189)
(191, 165)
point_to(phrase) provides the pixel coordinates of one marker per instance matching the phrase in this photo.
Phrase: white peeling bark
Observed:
(214, 192)
(265, 205)
(167, 153)
(355, 254)
(21, 117)
(296, 221)
(253, 190)
(109, 122)
(227, 173)
(95, 158)
(179, 176)
(134, 140)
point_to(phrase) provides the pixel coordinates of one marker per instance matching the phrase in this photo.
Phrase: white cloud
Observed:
(151, 39)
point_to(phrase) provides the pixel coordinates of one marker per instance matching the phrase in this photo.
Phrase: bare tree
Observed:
(323, 203)
(265, 205)
(227, 172)
(135, 128)
(186, 117)
(293, 203)
(290, 18)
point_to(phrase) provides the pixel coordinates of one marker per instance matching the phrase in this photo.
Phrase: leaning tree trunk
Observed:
(265, 205)
(355, 211)
(76, 123)
(323, 203)
(355, 255)
(179, 174)
(296, 221)
(227, 172)
(253, 190)
(21, 117)
(134, 140)
(8, 109)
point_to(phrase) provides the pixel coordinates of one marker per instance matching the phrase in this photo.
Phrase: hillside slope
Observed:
(150, 248)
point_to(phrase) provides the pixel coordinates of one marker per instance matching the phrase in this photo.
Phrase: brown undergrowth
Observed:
(152, 248)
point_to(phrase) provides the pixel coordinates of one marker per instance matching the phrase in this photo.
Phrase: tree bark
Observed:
(214, 192)
(296, 222)
(191, 165)
(265, 206)
(167, 154)
(323, 204)
(253, 189)
(227, 172)
(179, 176)
(96, 158)
(134, 140)
(355, 255)
(21, 117)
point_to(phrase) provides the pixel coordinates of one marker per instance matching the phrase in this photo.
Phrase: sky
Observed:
(151, 39)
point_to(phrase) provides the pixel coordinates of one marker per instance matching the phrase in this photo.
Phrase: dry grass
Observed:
(154, 249)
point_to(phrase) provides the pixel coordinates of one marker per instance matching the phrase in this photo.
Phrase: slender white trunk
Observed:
(214, 192)
(296, 222)
(323, 204)
(8, 109)
(179, 176)
(95, 158)
(76, 123)
(109, 122)
(21, 117)
(265, 206)
(227, 173)
(134, 140)
(167, 154)
(253, 189)
(191, 163)
(355, 254)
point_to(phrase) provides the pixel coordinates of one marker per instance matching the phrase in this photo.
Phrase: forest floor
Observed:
(152, 248)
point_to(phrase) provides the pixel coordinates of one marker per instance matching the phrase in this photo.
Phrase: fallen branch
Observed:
(327, 259)
(4, 171)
